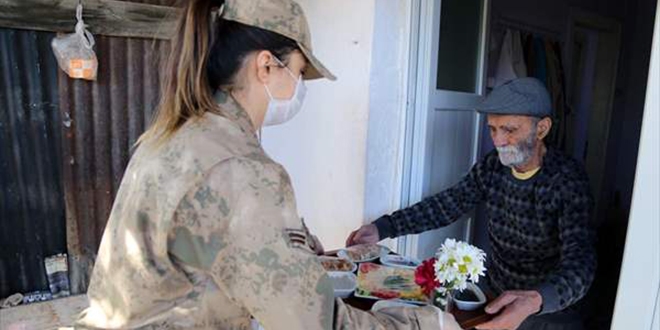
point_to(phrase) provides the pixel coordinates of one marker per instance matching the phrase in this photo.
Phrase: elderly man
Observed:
(538, 206)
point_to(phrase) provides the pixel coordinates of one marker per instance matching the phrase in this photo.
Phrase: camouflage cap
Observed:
(285, 17)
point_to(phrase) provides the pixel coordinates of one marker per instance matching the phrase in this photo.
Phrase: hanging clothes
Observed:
(528, 46)
(518, 57)
(540, 60)
(556, 87)
(494, 50)
(511, 64)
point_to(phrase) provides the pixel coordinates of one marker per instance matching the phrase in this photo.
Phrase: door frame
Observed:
(599, 123)
(415, 159)
(638, 294)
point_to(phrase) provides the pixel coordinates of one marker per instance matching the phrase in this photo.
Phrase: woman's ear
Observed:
(543, 128)
(263, 61)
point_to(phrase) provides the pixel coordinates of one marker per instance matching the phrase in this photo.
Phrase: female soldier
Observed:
(204, 231)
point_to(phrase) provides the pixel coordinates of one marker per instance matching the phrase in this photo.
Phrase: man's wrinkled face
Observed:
(514, 137)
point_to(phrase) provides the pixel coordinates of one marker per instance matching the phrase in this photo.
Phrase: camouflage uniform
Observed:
(204, 232)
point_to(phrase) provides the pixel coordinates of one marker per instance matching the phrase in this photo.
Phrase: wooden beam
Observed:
(104, 17)
(51, 314)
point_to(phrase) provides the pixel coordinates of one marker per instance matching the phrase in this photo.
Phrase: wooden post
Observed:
(104, 17)
(53, 314)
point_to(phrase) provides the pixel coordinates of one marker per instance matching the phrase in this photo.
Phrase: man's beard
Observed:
(519, 154)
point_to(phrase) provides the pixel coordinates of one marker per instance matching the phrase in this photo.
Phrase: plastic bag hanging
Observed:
(74, 52)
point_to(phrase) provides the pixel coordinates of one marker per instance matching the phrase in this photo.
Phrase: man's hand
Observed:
(367, 234)
(515, 307)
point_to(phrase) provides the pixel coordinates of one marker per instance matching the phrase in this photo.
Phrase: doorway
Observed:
(449, 72)
(594, 43)
(604, 50)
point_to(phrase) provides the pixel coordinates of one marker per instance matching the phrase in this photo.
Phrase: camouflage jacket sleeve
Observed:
(241, 226)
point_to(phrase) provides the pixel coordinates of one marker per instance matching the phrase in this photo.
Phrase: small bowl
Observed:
(394, 260)
(465, 305)
(380, 304)
(343, 283)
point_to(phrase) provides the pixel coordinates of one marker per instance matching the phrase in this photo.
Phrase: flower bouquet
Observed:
(454, 265)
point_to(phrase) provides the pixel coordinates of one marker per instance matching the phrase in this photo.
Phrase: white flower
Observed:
(450, 244)
(457, 264)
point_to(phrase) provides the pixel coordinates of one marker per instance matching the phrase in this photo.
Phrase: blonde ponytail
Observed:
(185, 90)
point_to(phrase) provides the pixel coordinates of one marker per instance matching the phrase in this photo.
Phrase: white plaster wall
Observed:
(388, 90)
(387, 107)
(324, 147)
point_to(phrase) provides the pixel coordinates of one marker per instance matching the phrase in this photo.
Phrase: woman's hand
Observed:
(317, 246)
(447, 322)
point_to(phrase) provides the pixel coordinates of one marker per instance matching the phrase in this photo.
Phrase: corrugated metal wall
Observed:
(81, 146)
(31, 204)
(103, 121)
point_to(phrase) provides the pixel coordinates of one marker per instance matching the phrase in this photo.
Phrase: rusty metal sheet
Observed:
(64, 147)
(31, 203)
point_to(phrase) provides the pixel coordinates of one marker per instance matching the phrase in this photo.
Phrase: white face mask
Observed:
(280, 111)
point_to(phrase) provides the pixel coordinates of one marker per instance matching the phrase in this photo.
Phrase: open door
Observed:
(593, 43)
(443, 131)
(638, 295)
